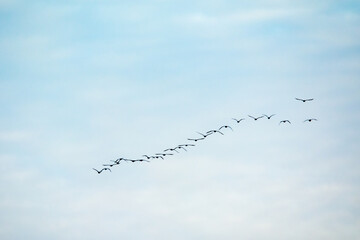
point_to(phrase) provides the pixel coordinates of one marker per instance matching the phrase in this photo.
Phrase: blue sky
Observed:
(89, 81)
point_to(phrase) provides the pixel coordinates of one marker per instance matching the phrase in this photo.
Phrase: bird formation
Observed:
(170, 151)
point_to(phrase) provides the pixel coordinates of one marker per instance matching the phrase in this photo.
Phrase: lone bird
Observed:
(284, 121)
(102, 170)
(268, 117)
(304, 100)
(256, 118)
(238, 120)
(310, 119)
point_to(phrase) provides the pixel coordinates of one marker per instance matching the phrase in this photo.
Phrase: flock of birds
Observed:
(170, 151)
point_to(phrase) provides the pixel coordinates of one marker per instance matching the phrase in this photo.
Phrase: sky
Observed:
(86, 82)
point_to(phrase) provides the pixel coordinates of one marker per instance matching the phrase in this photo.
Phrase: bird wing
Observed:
(251, 116)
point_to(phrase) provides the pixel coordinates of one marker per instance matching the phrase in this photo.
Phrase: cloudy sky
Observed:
(86, 82)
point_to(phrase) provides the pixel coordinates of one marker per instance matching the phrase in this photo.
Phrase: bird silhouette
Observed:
(171, 149)
(225, 126)
(268, 117)
(204, 135)
(137, 160)
(196, 139)
(256, 118)
(147, 157)
(238, 120)
(181, 147)
(284, 121)
(164, 154)
(310, 119)
(214, 131)
(304, 100)
(99, 171)
(186, 145)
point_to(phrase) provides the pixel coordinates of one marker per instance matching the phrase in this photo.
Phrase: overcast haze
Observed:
(86, 82)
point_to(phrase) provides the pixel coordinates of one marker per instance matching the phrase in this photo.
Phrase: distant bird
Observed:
(117, 161)
(214, 131)
(158, 157)
(102, 170)
(268, 117)
(304, 100)
(137, 160)
(196, 139)
(181, 147)
(164, 154)
(111, 165)
(255, 118)
(225, 126)
(186, 145)
(238, 120)
(204, 135)
(148, 157)
(310, 119)
(171, 149)
(284, 121)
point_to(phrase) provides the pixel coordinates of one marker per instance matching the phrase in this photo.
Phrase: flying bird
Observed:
(225, 126)
(187, 145)
(284, 121)
(238, 120)
(102, 170)
(304, 100)
(171, 149)
(256, 118)
(164, 154)
(310, 119)
(268, 117)
(181, 147)
(204, 135)
(137, 160)
(196, 139)
(214, 131)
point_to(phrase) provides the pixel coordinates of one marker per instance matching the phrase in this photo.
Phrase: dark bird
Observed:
(102, 170)
(117, 161)
(171, 149)
(284, 121)
(255, 118)
(186, 145)
(181, 147)
(304, 100)
(111, 165)
(238, 120)
(214, 131)
(148, 157)
(163, 154)
(225, 126)
(268, 117)
(157, 157)
(196, 139)
(204, 135)
(137, 160)
(310, 119)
